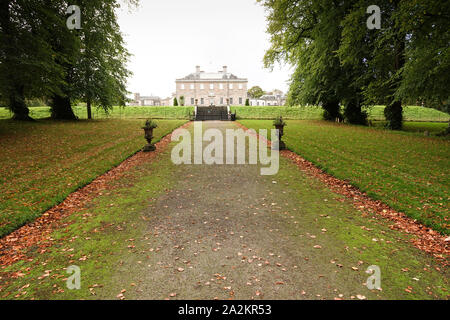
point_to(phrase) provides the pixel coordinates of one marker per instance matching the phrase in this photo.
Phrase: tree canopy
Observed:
(342, 64)
(40, 57)
(255, 92)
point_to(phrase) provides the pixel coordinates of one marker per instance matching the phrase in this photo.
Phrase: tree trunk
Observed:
(332, 110)
(15, 91)
(18, 106)
(89, 109)
(61, 108)
(394, 115)
(353, 112)
(394, 110)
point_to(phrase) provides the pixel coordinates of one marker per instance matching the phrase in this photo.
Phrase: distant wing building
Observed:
(277, 99)
(145, 100)
(211, 88)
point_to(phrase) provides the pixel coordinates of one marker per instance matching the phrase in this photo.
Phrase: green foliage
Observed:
(426, 75)
(308, 38)
(40, 57)
(279, 121)
(27, 60)
(150, 124)
(175, 102)
(339, 61)
(100, 77)
(444, 133)
(255, 92)
(247, 102)
(377, 56)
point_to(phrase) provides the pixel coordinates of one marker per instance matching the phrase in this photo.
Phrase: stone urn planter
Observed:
(148, 130)
(279, 125)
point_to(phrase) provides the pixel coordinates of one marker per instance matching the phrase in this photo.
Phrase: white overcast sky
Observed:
(168, 38)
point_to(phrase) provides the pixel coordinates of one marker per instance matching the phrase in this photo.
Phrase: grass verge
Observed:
(408, 172)
(44, 161)
(96, 238)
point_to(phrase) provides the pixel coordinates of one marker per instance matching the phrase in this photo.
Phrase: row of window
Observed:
(211, 101)
(211, 86)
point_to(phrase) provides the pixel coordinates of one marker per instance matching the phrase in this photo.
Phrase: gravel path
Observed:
(228, 232)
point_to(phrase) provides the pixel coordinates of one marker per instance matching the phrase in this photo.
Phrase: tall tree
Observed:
(101, 76)
(307, 35)
(377, 55)
(27, 61)
(426, 72)
(67, 46)
(94, 64)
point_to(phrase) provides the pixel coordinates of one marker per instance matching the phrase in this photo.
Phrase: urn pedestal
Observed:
(149, 136)
(281, 144)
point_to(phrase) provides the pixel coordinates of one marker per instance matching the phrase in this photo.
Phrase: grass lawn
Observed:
(100, 240)
(420, 127)
(408, 172)
(303, 113)
(413, 113)
(43, 162)
(116, 112)
(125, 241)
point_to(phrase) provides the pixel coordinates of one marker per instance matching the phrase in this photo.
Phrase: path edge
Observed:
(426, 239)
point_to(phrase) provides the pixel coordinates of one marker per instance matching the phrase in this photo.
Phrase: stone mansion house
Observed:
(211, 88)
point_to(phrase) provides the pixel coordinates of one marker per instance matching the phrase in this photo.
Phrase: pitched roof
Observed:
(211, 76)
(268, 97)
(149, 98)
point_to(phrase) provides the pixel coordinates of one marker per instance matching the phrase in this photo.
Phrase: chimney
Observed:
(225, 69)
(197, 69)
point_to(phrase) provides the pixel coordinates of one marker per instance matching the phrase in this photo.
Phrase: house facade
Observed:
(211, 88)
(277, 99)
(168, 101)
(145, 100)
